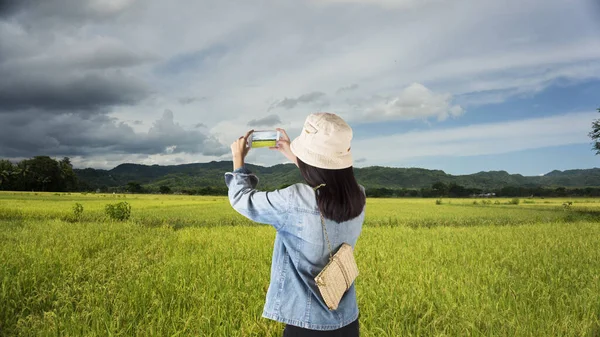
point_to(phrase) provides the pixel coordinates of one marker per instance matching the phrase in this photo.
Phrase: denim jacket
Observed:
(300, 251)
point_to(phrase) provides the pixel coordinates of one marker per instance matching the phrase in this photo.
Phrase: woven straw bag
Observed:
(338, 275)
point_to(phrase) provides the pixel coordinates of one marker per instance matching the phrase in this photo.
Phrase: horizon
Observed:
(361, 167)
(425, 84)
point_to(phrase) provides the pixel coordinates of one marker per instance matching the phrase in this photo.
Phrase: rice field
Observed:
(190, 265)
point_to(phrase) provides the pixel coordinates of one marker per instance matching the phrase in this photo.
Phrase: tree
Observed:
(595, 134)
(439, 189)
(41, 173)
(68, 177)
(561, 192)
(6, 173)
(457, 191)
(165, 189)
(134, 187)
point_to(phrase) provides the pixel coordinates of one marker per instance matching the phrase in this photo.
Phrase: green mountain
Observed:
(204, 175)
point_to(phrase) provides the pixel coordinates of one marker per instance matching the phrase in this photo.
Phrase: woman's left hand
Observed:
(239, 150)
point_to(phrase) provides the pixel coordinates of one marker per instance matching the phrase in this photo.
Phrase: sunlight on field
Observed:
(190, 265)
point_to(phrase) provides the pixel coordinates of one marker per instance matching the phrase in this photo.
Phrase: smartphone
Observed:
(263, 138)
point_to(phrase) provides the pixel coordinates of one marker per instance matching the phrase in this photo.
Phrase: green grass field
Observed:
(187, 265)
(264, 143)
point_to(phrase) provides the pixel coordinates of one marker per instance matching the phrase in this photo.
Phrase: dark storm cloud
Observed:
(43, 69)
(270, 120)
(65, 12)
(289, 103)
(86, 92)
(7, 7)
(29, 133)
(56, 94)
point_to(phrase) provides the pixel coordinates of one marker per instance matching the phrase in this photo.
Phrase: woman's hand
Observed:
(239, 150)
(283, 146)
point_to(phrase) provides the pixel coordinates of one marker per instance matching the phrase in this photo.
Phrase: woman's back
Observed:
(300, 252)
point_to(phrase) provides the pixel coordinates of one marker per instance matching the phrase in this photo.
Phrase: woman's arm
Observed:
(239, 150)
(265, 207)
(270, 208)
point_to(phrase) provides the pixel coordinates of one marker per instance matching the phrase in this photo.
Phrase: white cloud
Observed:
(110, 161)
(478, 139)
(472, 140)
(170, 149)
(416, 102)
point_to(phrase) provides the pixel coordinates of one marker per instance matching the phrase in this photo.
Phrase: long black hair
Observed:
(341, 199)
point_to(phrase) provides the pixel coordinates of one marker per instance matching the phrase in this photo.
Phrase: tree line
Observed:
(441, 190)
(40, 173)
(135, 187)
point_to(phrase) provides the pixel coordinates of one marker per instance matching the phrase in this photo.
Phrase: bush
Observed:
(438, 202)
(486, 202)
(120, 211)
(78, 210)
(475, 202)
(514, 201)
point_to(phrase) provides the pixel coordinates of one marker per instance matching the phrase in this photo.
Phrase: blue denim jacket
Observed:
(300, 251)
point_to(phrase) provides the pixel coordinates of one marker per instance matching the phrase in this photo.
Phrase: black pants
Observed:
(350, 330)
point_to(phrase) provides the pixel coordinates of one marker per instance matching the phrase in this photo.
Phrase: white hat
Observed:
(324, 142)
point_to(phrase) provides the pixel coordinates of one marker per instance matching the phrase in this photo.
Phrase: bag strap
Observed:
(326, 237)
(324, 227)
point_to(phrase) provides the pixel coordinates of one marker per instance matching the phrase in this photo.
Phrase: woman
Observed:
(322, 153)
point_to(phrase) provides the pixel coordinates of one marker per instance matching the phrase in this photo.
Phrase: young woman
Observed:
(322, 153)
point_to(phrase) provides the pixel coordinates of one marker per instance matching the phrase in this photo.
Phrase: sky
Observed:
(457, 85)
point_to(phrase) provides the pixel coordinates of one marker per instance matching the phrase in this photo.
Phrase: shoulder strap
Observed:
(323, 224)
(326, 236)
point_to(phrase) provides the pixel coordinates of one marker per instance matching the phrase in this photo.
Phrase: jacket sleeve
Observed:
(270, 208)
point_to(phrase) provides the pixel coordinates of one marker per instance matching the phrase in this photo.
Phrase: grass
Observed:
(264, 143)
(191, 266)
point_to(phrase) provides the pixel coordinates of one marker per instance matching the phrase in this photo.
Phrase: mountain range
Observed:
(198, 175)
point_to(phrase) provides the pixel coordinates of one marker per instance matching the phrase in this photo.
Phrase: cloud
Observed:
(109, 161)
(347, 88)
(77, 91)
(29, 133)
(415, 102)
(190, 99)
(170, 149)
(70, 69)
(360, 160)
(290, 103)
(391, 4)
(57, 11)
(478, 139)
(270, 120)
(50, 73)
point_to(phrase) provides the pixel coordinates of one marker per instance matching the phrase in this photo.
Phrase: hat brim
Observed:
(330, 162)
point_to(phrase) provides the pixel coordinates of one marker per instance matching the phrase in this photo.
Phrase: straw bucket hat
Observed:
(324, 142)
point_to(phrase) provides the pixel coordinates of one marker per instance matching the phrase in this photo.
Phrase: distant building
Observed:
(484, 195)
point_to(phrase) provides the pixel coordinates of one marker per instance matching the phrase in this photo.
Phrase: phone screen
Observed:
(264, 138)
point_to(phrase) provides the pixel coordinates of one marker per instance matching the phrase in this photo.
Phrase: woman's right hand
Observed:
(283, 146)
